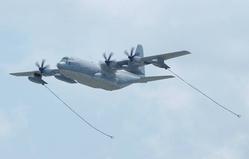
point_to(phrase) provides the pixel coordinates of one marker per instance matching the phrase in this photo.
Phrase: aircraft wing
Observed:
(164, 56)
(51, 72)
(29, 74)
(149, 59)
(153, 78)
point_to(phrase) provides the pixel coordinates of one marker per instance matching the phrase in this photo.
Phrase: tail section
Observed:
(152, 78)
(140, 53)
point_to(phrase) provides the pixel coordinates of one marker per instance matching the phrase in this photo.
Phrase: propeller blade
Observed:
(104, 55)
(37, 64)
(43, 62)
(46, 67)
(110, 56)
(126, 53)
(132, 51)
(108, 59)
(130, 55)
(42, 67)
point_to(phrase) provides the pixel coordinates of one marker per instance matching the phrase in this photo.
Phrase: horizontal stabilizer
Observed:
(153, 78)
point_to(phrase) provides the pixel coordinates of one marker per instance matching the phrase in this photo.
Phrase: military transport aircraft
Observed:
(108, 75)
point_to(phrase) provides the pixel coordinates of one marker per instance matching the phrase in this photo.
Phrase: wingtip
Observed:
(169, 76)
(187, 52)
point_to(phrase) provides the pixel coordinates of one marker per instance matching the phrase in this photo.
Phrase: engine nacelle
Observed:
(64, 79)
(108, 69)
(136, 61)
(37, 80)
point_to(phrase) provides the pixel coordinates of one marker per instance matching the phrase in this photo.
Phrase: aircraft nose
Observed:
(60, 65)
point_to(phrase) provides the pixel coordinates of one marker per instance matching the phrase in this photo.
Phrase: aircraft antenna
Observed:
(78, 115)
(205, 95)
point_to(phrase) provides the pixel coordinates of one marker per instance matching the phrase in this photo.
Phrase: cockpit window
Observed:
(65, 59)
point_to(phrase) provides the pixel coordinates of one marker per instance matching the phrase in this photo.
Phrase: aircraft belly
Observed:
(95, 82)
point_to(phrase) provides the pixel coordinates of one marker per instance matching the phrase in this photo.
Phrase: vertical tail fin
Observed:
(140, 53)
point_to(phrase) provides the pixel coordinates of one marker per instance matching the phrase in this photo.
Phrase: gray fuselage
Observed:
(91, 74)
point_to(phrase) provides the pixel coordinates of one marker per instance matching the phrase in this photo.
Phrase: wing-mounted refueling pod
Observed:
(37, 79)
(159, 62)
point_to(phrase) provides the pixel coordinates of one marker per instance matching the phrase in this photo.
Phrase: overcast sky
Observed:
(163, 119)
